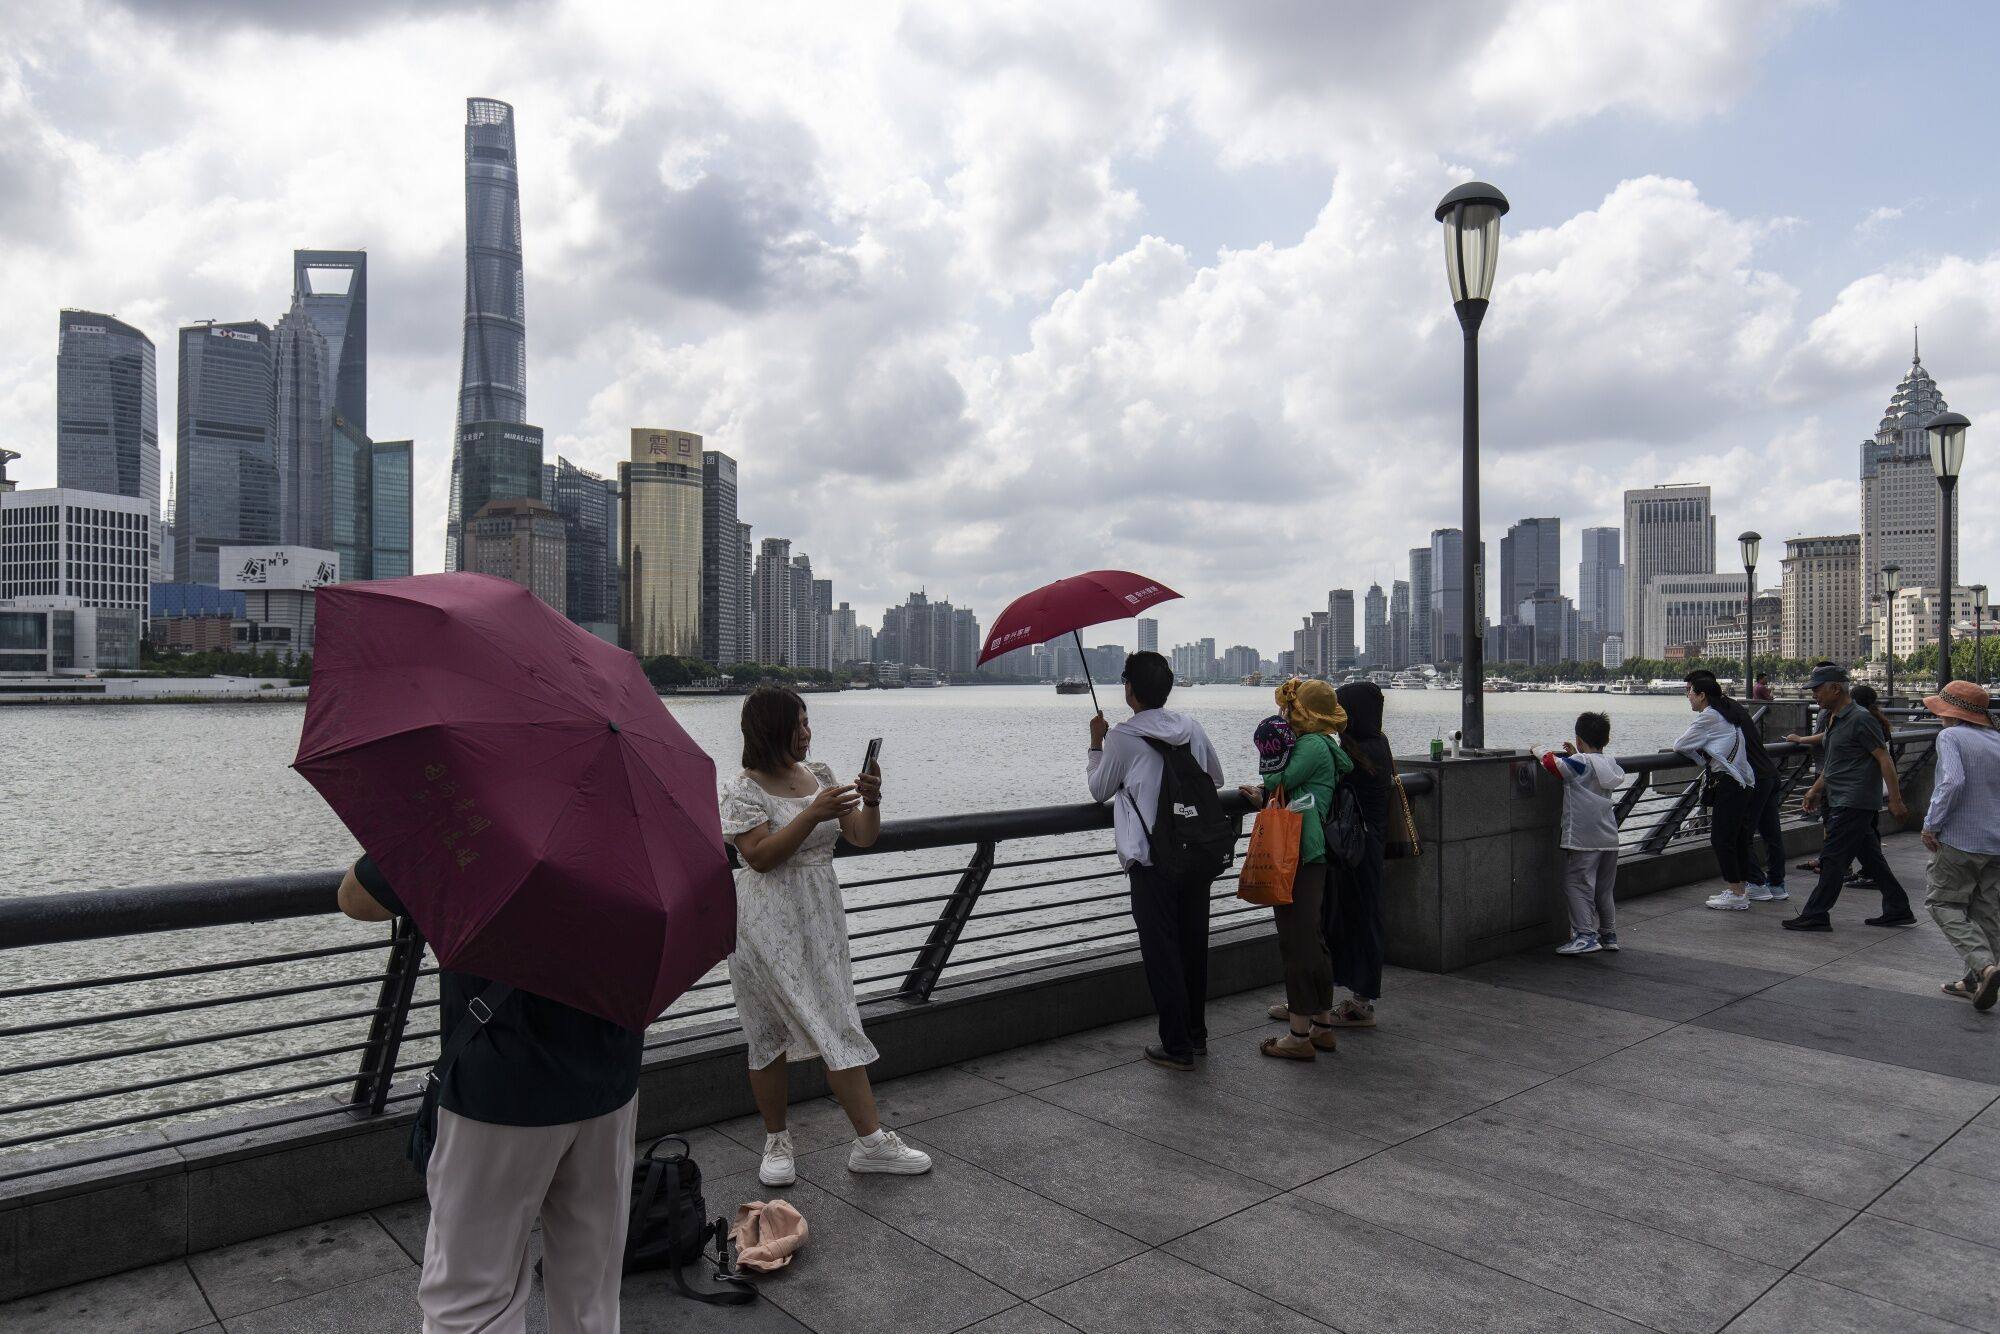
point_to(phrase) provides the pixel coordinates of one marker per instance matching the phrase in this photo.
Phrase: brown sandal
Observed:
(1275, 1047)
(1323, 1037)
(1280, 1012)
(1958, 989)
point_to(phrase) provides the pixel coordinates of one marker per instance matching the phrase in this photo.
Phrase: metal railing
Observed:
(135, 1018)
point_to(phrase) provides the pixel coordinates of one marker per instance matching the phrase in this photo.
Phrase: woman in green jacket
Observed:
(1314, 768)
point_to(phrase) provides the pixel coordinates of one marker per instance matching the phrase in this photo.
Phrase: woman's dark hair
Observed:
(1594, 729)
(1865, 696)
(1362, 702)
(1703, 683)
(1151, 679)
(771, 717)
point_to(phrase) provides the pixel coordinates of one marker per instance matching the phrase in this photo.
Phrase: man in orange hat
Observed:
(1962, 831)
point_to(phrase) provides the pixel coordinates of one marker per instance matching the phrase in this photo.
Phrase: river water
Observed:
(110, 796)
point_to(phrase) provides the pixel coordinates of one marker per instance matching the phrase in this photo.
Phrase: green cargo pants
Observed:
(1963, 894)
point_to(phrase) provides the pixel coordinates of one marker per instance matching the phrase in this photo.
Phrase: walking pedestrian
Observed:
(1315, 767)
(1962, 832)
(535, 1119)
(1589, 834)
(790, 975)
(1853, 776)
(1742, 777)
(1151, 767)
(1354, 913)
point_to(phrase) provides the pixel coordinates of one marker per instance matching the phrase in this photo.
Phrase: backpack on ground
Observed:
(1191, 837)
(670, 1227)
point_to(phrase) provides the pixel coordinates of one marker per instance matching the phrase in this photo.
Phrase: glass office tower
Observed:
(497, 461)
(330, 287)
(583, 500)
(389, 477)
(226, 474)
(660, 519)
(107, 409)
(350, 465)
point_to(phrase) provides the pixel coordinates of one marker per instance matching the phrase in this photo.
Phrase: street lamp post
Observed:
(1947, 434)
(1748, 544)
(1471, 216)
(1978, 632)
(1891, 574)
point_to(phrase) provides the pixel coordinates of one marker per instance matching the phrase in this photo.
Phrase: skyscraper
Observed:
(659, 503)
(347, 495)
(746, 608)
(389, 486)
(809, 646)
(722, 575)
(304, 421)
(1822, 598)
(1149, 634)
(225, 471)
(1899, 493)
(1668, 530)
(107, 412)
(772, 603)
(1530, 563)
(1448, 595)
(1341, 651)
(1600, 588)
(1399, 625)
(1375, 627)
(330, 288)
(497, 461)
(493, 358)
(591, 571)
(522, 540)
(1422, 646)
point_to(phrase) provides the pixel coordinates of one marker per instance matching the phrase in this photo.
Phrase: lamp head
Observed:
(1471, 217)
(1947, 434)
(1749, 543)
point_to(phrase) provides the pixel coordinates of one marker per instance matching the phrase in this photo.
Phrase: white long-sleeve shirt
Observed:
(1127, 773)
(1714, 738)
(1965, 792)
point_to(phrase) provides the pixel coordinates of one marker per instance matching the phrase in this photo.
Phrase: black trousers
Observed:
(1770, 829)
(1729, 825)
(1354, 922)
(1172, 917)
(1851, 837)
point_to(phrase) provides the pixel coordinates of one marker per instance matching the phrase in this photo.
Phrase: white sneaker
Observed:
(1726, 899)
(890, 1155)
(1767, 893)
(780, 1166)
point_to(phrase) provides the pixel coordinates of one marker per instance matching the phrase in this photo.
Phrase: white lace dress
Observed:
(793, 984)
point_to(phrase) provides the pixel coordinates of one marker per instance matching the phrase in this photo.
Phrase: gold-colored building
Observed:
(659, 527)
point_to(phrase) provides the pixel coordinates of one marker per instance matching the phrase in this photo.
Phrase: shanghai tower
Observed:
(493, 366)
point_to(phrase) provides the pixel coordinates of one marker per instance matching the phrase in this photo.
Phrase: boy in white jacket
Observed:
(1589, 834)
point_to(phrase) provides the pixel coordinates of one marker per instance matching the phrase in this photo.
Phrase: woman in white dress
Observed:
(793, 985)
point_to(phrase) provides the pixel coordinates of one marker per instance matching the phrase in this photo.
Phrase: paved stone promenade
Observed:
(1725, 1126)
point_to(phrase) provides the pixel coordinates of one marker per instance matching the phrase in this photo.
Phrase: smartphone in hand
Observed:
(868, 765)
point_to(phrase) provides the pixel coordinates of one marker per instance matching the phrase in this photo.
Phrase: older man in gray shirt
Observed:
(1856, 770)
(1962, 831)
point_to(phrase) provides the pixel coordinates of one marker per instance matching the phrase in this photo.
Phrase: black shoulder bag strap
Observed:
(423, 1131)
(737, 1291)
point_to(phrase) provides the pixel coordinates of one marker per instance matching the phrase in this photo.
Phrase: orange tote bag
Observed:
(1273, 859)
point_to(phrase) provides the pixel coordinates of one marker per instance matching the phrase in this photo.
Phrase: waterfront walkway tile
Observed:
(1025, 1243)
(1025, 1069)
(1141, 1189)
(159, 1299)
(1772, 1152)
(1638, 1272)
(1913, 1031)
(1801, 1304)
(1022, 1319)
(1974, 1150)
(1763, 1222)
(857, 1275)
(650, 1304)
(1927, 1271)
(1664, 985)
(1500, 1033)
(1206, 1121)
(819, 1123)
(288, 1265)
(1356, 1276)
(385, 1302)
(1159, 1294)
(1965, 1206)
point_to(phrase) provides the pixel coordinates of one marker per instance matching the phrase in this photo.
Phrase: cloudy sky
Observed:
(984, 294)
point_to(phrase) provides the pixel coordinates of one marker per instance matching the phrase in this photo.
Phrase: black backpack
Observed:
(670, 1227)
(1346, 831)
(1191, 837)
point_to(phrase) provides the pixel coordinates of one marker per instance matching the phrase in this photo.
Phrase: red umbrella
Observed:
(545, 820)
(1068, 605)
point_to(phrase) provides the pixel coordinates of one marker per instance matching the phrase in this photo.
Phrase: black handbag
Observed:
(423, 1130)
(670, 1227)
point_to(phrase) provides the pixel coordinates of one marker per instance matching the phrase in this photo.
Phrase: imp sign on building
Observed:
(291, 569)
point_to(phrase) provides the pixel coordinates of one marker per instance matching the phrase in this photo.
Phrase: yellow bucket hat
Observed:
(1311, 706)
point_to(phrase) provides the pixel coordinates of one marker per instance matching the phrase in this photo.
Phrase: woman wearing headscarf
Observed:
(1313, 767)
(1354, 896)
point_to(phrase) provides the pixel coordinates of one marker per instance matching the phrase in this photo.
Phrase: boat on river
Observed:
(1072, 685)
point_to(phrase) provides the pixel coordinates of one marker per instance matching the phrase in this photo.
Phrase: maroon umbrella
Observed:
(545, 820)
(1066, 606)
